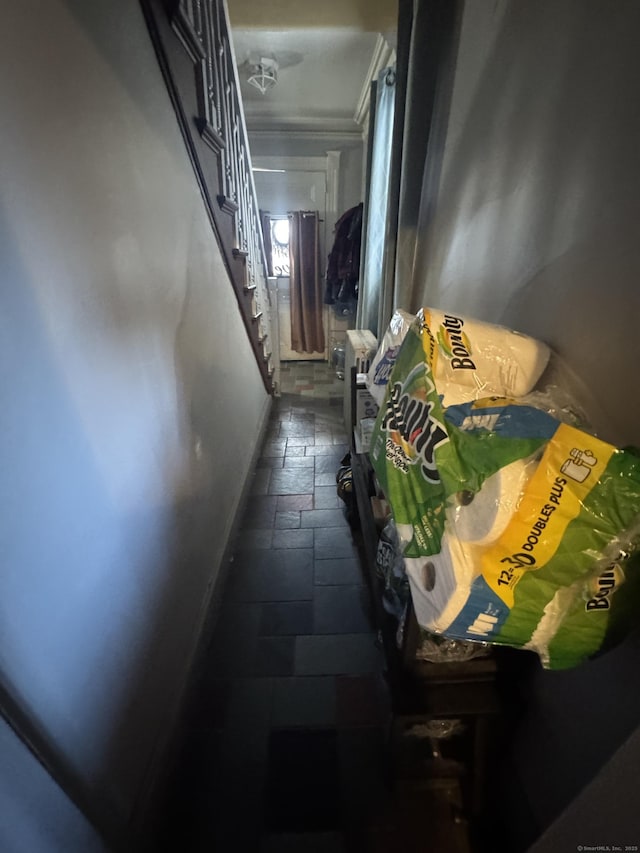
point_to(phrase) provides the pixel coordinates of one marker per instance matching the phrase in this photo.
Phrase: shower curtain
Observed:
(307, 329)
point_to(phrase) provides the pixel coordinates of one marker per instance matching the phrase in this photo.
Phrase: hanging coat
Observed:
(343, 266)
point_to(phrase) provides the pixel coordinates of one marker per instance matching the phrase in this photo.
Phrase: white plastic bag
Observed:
(385, 358)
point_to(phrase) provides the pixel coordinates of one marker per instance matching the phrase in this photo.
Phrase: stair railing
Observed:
(193, 42)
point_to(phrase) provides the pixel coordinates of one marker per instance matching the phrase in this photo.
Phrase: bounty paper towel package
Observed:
(474, 359)
(471, 359)
(515, 526)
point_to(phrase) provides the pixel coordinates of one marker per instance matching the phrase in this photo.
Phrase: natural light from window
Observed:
(280, 246)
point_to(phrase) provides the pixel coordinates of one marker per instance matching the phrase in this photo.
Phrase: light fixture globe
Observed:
(263, 74)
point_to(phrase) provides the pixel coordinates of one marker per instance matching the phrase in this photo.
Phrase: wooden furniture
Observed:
(424, 694)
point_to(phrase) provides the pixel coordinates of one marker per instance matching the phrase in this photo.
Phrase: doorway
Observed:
(281, 190)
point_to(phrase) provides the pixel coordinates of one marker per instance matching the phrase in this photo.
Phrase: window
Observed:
(279, 226)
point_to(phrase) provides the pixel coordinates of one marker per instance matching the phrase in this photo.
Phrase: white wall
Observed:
(131, 402)
(351, 190)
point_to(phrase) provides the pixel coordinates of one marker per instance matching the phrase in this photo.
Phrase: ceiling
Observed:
(325, 53)
(366, 15)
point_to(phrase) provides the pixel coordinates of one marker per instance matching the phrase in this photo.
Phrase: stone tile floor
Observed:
(312, 379)
(284, 742)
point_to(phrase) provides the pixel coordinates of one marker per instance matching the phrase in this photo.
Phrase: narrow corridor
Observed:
(285, 742)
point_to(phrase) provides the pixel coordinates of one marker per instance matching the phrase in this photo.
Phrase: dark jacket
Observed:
(343, 267)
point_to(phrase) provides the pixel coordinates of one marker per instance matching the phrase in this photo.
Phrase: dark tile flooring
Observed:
(285, 740)
(284, 743)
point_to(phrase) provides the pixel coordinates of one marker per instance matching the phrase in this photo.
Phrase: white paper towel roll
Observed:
(481, 518)
(440, 583)
(477, 359)
(405, 533)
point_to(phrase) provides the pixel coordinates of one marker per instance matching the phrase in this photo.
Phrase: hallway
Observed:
(292, 680)
(284, 744)
(137, 394)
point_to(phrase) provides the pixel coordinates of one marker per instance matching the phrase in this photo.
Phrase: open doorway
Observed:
(281, 191)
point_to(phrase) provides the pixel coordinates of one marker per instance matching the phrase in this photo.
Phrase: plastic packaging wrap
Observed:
(516, 526)
(472, 359)
(385, 358)
(436, 729)
(391, 571)
(437, 649)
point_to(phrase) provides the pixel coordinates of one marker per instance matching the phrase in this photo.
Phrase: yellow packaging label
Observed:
(571, 466)
(429, 343)
(490, 403)
(444, 336)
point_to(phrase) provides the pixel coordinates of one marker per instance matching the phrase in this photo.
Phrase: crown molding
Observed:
(290, 162)
(331, 137)
(383, 56)
(258, 121)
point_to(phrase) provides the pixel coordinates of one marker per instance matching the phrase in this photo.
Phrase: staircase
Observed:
(193, 44)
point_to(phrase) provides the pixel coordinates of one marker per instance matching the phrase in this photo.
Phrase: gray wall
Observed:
(350, 191)
(351, 166)
(131, 402)
(613, 794)
(535, 221)
(27, 791)
(532, 220)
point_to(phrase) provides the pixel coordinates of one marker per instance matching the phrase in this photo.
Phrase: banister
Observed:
(192, 39)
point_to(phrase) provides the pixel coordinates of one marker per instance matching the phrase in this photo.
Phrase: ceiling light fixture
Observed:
(263, 74)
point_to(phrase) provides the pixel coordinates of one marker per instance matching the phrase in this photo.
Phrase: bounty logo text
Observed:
(455, 344)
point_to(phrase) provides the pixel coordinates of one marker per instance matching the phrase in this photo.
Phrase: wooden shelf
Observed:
(422, 690)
